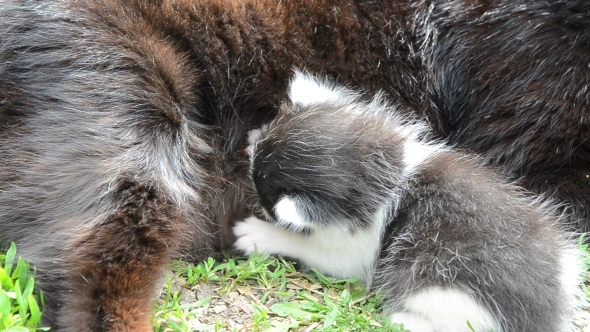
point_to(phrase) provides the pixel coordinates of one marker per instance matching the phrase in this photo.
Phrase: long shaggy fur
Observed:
(123, 123)
(449, 240)
(510, 80)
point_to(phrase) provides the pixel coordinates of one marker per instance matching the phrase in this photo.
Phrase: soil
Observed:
(235, 308)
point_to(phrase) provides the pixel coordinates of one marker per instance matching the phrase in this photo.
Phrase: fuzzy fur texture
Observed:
(510, 80)
(445, 238)
(123, 123)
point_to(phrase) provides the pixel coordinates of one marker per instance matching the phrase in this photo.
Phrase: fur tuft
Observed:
(307, 90)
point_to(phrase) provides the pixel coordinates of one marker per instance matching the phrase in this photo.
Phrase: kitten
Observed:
(355, 189)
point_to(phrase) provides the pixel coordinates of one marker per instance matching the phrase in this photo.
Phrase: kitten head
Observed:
(329, 157)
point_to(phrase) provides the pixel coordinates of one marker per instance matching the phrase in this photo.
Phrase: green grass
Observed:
(281, 298)
(19, 308)
(277, 296)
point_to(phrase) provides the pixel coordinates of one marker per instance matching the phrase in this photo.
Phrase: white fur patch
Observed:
(571, 271)
(446, 310)
(306, 89)
(571, 278)
(253, 138)
(338, 253)
(332, 250)
(416, 153)
(287, 215)
(254, 135)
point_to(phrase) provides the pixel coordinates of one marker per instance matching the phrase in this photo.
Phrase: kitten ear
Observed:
(306, 90)
(289, 215)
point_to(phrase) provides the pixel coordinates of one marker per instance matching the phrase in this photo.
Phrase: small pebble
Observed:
(219, 308)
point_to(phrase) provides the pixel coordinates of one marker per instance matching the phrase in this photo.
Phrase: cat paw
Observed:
(412, 322)
(255, 235)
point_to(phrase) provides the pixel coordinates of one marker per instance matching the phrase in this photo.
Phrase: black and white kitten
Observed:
(353, 188)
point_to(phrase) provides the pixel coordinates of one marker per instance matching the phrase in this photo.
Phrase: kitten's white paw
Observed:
(255, 235)
(412, 322)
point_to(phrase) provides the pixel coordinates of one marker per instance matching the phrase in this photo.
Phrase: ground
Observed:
(259, 294)
(268, 294)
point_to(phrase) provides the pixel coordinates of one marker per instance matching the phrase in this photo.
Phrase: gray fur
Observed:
(451, 223)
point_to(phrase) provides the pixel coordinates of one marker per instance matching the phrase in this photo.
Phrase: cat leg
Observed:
(117, 265)
(255, 235)
(331, 250)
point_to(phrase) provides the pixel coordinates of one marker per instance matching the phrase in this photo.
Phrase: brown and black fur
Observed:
(123, 123)
(123, 126)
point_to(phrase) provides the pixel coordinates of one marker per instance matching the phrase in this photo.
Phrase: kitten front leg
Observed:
(331, 250)
(255, 235)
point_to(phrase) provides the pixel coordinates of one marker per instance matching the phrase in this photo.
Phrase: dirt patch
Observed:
(249, 307)
(246, 307)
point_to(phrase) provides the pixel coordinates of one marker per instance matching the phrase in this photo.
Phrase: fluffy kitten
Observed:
(355, 189)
